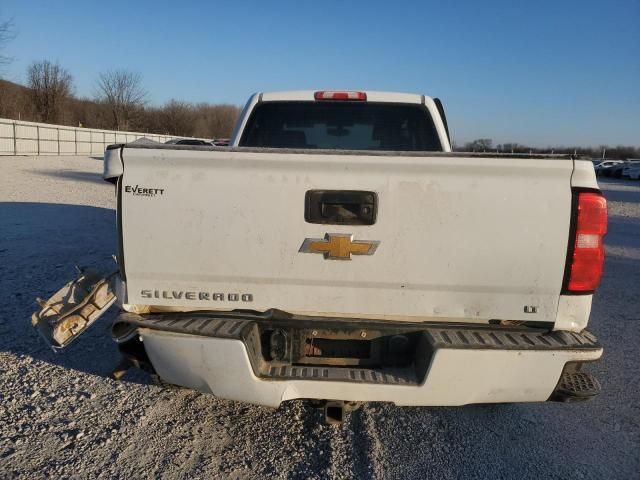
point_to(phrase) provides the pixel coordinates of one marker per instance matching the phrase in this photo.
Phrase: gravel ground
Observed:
(61, 416)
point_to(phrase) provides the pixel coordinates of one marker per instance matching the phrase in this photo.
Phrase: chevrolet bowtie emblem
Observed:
(339, 246)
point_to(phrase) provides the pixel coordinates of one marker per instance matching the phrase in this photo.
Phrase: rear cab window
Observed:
(341, 126)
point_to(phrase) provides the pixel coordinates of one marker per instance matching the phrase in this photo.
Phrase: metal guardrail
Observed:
(18, 137)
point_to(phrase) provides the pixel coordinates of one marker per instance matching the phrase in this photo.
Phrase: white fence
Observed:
(29, 138)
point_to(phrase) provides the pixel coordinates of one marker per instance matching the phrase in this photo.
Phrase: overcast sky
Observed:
(539, 73)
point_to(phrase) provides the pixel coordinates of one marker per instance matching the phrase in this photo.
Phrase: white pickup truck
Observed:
(339, 251)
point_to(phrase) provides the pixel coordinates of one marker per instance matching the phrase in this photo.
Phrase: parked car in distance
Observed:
(628, 166)
(617, 170)
(187, 141)
(633, 172)
(603, 168)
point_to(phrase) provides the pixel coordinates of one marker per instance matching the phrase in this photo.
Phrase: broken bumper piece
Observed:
(74, 308)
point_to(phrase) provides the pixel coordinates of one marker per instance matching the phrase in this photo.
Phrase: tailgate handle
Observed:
(341, 207)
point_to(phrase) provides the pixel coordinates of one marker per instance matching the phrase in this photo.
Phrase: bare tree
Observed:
(7, 33)
(177, 118)
(215, 121)
(512, 148)
(123, 93)
(50, 86)
(479, 145)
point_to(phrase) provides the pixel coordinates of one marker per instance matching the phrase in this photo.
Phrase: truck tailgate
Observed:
(460, 237)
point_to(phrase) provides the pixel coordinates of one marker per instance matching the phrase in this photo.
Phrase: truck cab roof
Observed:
(371, 96)
(432, 105)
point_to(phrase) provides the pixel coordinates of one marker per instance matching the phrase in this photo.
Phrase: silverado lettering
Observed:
(193, 295)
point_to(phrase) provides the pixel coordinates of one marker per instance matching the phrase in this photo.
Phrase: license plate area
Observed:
(339, 347)
(327, 350)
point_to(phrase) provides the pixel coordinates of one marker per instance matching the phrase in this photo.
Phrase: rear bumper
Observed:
(460, 365)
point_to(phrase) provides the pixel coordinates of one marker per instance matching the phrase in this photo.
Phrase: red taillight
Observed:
(332, 95)
(588, 245)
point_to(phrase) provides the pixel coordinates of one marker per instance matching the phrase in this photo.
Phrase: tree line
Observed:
(621, 152)
(120, 103)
